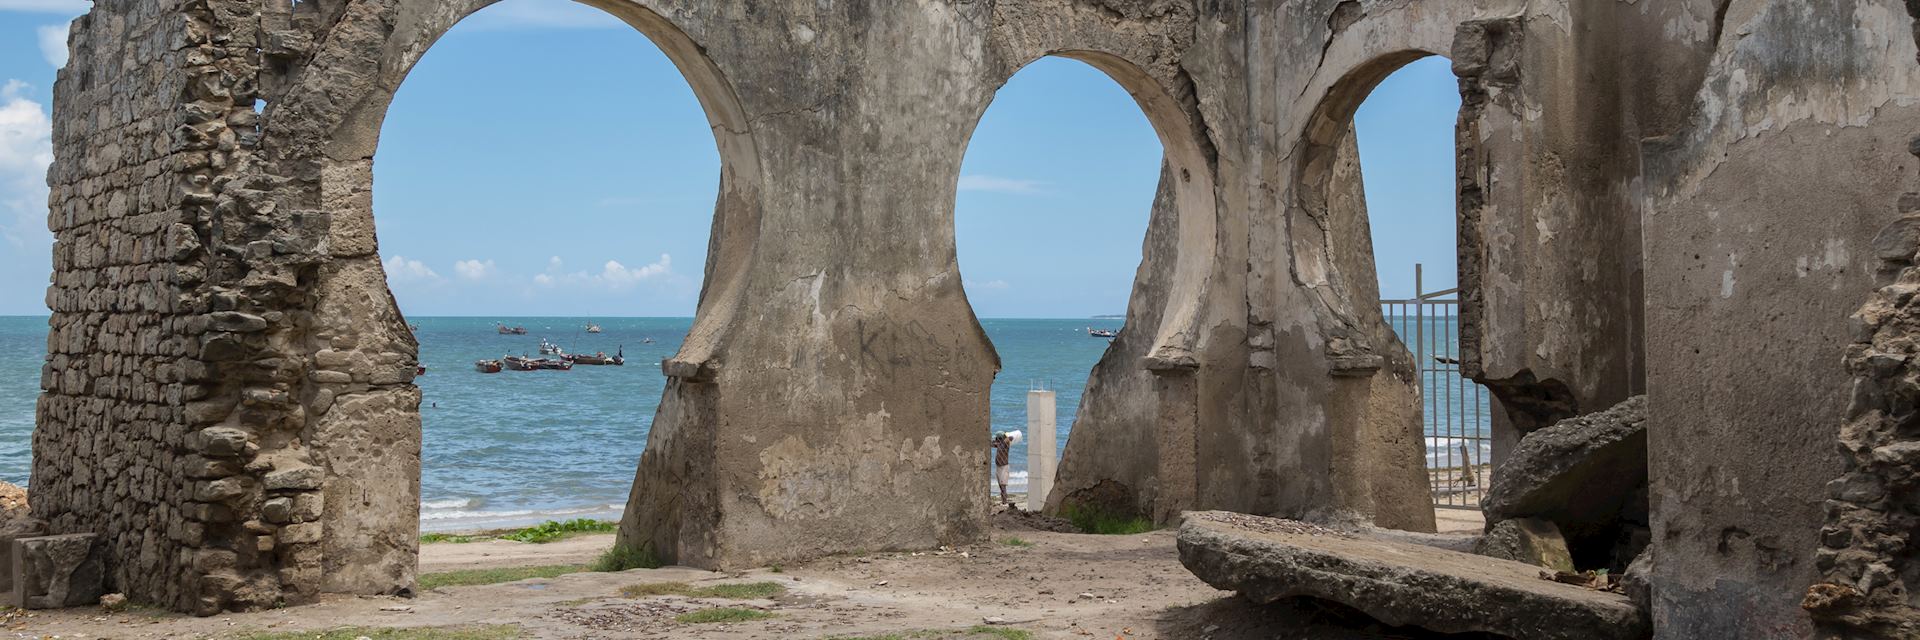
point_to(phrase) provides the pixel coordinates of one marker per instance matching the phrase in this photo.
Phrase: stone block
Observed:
(1402, 584)
(1531, 540)
(52, 572)
(301, 533)
(296, 478)
(13, 529)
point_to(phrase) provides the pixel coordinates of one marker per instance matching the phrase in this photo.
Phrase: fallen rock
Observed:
(1398, 583)
(1531, 540)
(12, 529)
(53, 572)
(1584, 474)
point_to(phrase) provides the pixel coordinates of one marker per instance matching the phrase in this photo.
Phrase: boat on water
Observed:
(510, 331)
(599, 359)
(487, 366)
(550, 349)
(1102, 333)
(648, 340)
(593, 328)
(523, 363)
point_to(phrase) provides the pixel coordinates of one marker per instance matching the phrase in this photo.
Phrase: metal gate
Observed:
(1455, 410)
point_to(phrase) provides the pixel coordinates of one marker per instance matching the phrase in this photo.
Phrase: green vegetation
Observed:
(472, 577)
(622, 558)
(722, 614)
(1101, 521)
(745, 591)
(975, 633)
(453, 538)
(1016, 542)
(548, 531)
(490, 632)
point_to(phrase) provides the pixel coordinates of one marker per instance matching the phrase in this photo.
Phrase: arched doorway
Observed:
(587, 230)
(366, 432)
(1053, 205)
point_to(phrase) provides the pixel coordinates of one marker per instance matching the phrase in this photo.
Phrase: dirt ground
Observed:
(1057, 585)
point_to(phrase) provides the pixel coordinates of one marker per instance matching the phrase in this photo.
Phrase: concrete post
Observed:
(1041, 436)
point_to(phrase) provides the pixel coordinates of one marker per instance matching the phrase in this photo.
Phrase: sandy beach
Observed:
(1050, 585)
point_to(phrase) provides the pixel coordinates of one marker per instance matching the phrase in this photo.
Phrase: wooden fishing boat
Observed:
(599, 358)
(510, 331)
(550, 349)
(519, 363)
(593, 328)
(1101, 333)
(487, 366)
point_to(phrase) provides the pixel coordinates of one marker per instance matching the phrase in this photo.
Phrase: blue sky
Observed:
(544, 159)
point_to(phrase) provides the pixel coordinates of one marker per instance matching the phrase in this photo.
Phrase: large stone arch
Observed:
(365, 426)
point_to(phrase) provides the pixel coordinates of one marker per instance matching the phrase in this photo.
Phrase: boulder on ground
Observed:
(52, 572)
(1531, 540)
(1584, 474)
(1266, 559)
(11, 529)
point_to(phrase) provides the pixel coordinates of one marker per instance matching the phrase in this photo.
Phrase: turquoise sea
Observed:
(519, 447)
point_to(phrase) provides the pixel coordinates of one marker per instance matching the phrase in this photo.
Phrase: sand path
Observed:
(1061, 586)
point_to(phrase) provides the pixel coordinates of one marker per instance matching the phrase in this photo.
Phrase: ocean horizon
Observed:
(519, 448)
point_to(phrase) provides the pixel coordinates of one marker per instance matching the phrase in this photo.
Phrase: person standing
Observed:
(1003, 463)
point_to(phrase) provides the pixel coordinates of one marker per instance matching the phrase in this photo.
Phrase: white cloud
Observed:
(401, 269)
(53, 44)
(26, 149)
(475, 269)
(539, 14)
(998, 184)
(69, 7)
(618, 276)
(990, 284)
(612, 275)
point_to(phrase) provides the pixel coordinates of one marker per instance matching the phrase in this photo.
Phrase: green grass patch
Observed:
(981, 632)
(452, 538)
(722, 614)
(744, 591)
(550, 531)
(489, 632)
(472, 577)
(621, 558)
(1016, 542)
(1100, 521)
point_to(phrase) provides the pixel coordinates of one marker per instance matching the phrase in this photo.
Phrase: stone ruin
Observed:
(1677, 198)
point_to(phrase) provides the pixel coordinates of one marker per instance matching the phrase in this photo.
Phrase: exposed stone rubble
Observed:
(1399, 583)
(1868, 558)
(1587, 476)
(52, 572)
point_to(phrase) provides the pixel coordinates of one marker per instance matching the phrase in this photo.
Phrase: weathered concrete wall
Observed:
(1758, 244)
(1556, 99)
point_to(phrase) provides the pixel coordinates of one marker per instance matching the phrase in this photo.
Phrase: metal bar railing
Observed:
(1453, 409)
